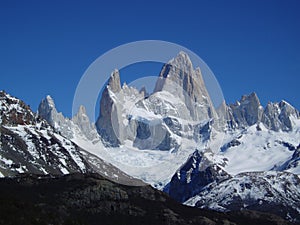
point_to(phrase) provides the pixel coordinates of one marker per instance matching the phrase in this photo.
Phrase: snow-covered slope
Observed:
(260, 149)
(276, 192)
(28, 144)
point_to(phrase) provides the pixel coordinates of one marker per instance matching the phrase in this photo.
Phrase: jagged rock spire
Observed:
(179, 78)
(114, 82)
(108, 110)
(249, 111)
(279, 116)
(65, 126)
(246, 112)
(47, 110)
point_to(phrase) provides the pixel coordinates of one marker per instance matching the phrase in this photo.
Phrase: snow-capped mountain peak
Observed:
(247, 111)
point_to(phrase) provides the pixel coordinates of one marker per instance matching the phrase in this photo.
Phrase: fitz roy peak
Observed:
(235, 157)
(180, 94)
(179, 78)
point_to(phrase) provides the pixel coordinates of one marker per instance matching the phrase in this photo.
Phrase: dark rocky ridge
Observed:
(92, 199)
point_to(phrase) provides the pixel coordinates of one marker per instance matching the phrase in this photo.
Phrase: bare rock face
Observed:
(179, 78)
(226, 116)
(114, 82)
(248, 111)
(85, 126)
(279, 116)
(109, 121)
(14, 111)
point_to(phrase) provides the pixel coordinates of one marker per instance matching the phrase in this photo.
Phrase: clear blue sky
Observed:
(45, 46)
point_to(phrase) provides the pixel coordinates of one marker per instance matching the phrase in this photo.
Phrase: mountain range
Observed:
(230, 158)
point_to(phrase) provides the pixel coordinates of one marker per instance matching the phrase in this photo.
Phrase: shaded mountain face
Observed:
(91, 199)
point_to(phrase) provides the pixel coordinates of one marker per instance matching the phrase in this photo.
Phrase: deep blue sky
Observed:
(45, 46)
